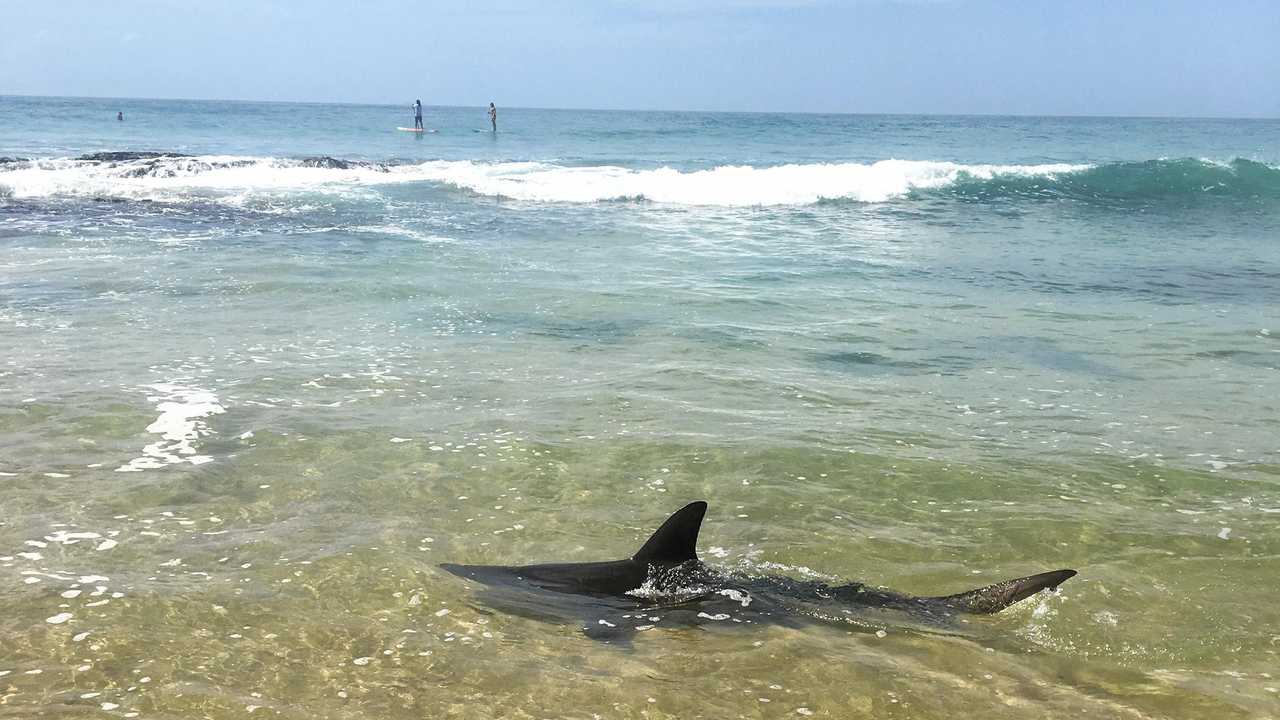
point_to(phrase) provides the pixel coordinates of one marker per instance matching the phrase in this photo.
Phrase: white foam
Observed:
(234, 180)
(180, 424)
(404, 232)
(212, 177)
(71, 538)
(657, 589)
(54, 576)
(740, 597)
(723, 186)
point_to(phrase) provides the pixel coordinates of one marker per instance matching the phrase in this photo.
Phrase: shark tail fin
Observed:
(994, 598)
(676, 541)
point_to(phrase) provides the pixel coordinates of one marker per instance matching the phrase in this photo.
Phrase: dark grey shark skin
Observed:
(665, 583)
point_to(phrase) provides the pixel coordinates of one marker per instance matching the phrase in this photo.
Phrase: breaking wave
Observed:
(1179, 180)
(173, 177)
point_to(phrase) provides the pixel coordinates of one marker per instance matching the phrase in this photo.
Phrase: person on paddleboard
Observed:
(493, 116)
(417, 114)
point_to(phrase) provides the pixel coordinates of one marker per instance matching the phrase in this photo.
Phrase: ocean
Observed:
(265, 366)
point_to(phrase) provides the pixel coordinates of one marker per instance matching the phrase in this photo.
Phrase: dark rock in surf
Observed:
(329, 163)
(128, 155)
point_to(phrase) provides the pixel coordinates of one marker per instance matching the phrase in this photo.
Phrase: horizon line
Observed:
(656, 110)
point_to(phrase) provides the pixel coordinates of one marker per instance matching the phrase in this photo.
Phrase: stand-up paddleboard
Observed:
(415, 130)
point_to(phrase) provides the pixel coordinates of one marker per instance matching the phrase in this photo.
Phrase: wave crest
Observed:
(1136, 182)
(173, 177)
(732, 185)
(177, 177)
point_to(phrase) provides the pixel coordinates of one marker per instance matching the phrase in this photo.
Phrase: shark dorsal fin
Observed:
(676, 541)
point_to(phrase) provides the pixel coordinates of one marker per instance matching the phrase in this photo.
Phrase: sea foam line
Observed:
(180, 424)
(232, 178)
(736, 185)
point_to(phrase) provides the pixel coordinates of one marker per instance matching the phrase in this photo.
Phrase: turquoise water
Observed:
(254, 391)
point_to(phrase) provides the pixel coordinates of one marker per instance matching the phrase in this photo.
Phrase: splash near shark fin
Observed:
(676, 540)
(994, 598)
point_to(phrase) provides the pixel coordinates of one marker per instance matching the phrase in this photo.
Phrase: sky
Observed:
(1025, 57)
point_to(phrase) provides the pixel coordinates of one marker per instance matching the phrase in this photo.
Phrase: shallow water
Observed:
(247, 406)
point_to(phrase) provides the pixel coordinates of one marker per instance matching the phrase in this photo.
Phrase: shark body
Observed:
(664, 582)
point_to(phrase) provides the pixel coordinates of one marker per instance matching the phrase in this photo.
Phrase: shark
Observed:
(665, 584)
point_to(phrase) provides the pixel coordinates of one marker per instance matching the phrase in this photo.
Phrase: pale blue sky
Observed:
(1081, 57)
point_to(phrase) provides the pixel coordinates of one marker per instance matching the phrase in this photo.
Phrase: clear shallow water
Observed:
(256, 398)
